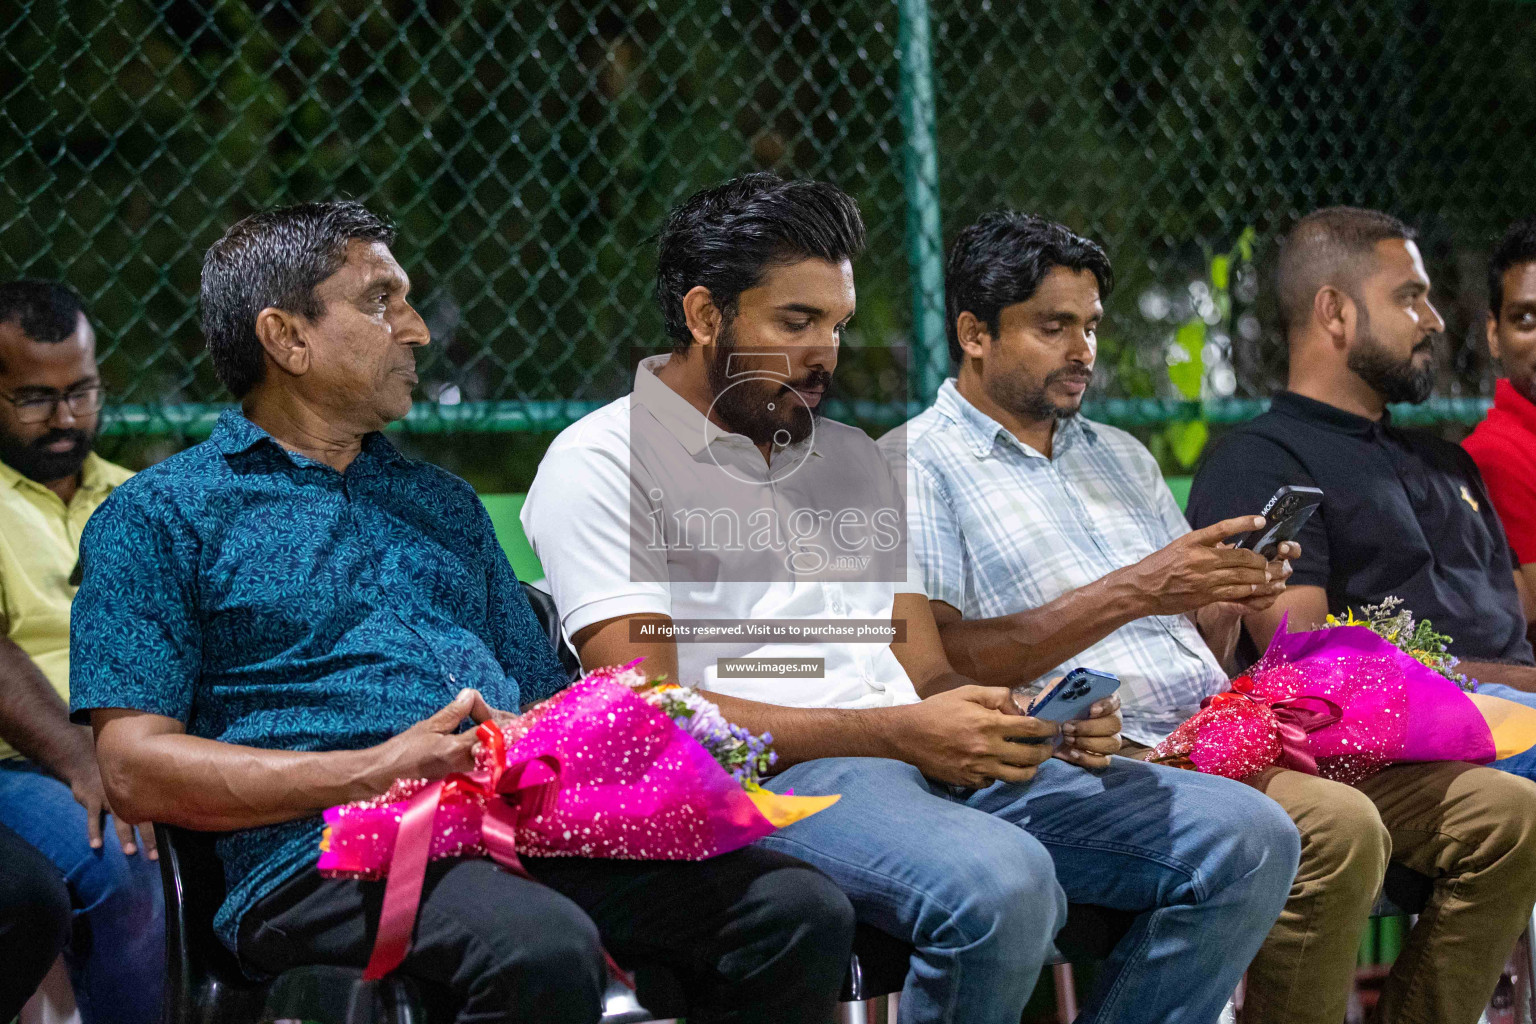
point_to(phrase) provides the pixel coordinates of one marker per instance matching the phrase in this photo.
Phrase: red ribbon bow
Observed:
(1294, 720)
(512, 792)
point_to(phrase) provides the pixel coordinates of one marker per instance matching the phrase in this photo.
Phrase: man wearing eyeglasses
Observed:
(50, 787)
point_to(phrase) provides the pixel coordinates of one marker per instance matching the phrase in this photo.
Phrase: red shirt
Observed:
(1504, 448)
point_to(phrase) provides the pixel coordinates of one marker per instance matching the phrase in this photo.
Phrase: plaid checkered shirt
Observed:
(998, 528)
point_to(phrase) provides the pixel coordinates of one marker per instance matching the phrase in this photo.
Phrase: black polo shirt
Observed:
(1404, 514)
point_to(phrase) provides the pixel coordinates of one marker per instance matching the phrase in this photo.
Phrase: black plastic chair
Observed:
(1403, 892)
(204, 982)
(879, 963)
(549, 621)
(205, 985)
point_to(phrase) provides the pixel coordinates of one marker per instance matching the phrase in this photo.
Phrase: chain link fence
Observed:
(529, 151)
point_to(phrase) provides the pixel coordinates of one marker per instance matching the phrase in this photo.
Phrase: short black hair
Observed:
(1001, 259)
(726, 237)
(1332, 246)
(1516, 247)
(274, 258)
(46, 311)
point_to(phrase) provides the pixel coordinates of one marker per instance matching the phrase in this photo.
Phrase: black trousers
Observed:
(34, 920)
(751, 936)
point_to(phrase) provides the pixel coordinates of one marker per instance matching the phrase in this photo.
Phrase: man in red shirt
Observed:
(1504, 444)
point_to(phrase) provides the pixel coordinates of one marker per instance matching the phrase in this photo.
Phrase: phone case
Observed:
(1074, 695)
(1285, 514)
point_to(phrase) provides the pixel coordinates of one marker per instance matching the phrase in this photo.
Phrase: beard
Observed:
(1394, 379)
(743, 404)
(1031, 401)
(33, 460)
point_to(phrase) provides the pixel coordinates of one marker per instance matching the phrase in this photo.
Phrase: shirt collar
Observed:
(981, 431)
(693, 430)
(10, 478)
(1329, 416)
(93, 477)
(234, 433)
(1507, 399)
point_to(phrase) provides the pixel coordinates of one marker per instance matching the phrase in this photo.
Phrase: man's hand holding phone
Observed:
(1279, 569)
(1273, 538)
(1202, 568)
(1089, 734)
(1284, 516)
(972, 736)
(1088, 742)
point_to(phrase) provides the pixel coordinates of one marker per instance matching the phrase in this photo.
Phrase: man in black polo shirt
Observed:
(1405, 515)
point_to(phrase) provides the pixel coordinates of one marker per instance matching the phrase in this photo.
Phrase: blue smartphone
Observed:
(1073, 696)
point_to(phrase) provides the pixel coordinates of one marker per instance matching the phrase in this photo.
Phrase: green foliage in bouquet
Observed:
(1415, 638)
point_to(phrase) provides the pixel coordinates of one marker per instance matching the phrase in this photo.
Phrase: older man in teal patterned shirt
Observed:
(293, 614)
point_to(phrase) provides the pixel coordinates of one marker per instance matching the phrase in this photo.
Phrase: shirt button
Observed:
(452, 678)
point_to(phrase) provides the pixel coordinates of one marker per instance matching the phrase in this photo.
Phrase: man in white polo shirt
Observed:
(724, 559)
(715, 502)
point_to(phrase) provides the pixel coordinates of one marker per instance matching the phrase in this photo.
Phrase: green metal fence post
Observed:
(925, 239)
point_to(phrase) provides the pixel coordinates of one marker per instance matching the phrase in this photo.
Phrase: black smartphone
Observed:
(1284, 517)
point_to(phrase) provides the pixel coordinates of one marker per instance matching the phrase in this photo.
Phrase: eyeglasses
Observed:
(40, 408)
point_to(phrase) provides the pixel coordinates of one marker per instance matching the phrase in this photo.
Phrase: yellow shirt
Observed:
(39, 547)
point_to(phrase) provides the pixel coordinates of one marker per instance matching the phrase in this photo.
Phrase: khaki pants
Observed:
(1471, 829)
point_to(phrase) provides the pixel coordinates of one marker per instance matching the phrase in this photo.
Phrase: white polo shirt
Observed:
(645, 506)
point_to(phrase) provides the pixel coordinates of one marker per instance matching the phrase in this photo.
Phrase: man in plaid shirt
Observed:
(1048, 541)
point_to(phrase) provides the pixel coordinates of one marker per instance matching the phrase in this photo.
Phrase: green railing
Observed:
(194, 421)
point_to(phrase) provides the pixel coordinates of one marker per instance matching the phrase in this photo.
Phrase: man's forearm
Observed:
(1015, 650)
(211, 786)
(34, 719)
(1519, 677)
(1220, 633)
(804, 734)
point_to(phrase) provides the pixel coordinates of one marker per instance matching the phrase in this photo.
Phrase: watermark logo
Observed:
(764, 485)
(760, 385)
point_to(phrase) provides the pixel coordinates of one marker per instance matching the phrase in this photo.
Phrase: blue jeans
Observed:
(978, 880)
(1524, 763)
(116, 950)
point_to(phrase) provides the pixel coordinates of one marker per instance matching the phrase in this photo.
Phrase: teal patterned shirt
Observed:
(265, 599)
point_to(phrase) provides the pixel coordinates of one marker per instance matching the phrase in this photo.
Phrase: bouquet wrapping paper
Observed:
(596, 771)
(1343, 702)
